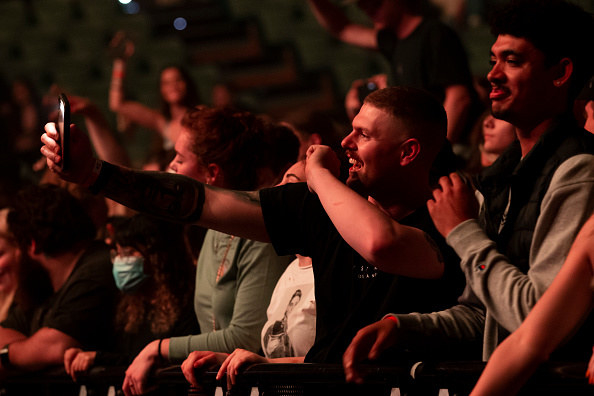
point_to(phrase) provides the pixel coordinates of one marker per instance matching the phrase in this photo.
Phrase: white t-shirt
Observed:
(291, 327)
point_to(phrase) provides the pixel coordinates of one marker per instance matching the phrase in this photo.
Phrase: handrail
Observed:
(456, 377)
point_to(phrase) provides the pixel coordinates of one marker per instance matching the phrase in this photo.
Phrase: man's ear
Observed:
(565, 70)
(213, 174)
(409, 150)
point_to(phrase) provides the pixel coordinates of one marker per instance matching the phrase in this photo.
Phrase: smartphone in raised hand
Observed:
(64, 130)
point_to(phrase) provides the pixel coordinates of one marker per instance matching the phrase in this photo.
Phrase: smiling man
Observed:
(366, 249)
(536, 196)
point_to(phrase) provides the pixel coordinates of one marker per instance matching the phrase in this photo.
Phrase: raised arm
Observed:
(165, 195)
(380, 240)
(333, 19)
(133, 111)
(457, 104)
(107, 147)
(565, 303)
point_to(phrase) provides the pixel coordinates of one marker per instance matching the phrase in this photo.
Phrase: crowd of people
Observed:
(431, 231)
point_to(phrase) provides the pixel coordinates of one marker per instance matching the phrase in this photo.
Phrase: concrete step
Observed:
(276, 67)
(223, 42)
(313, 90)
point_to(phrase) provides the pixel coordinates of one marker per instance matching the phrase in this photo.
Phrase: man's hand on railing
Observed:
(138, 373)
(368, 343)
(236, 361)
(201, 361)
(77, 361)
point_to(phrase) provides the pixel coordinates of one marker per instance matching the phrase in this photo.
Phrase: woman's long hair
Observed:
(169, 265)
(192, 97)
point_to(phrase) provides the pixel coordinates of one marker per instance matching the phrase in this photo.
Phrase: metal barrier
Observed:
(423, 378)
(552, 378)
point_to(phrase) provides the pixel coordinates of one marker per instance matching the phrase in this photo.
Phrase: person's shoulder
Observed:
(420, 219)
(287, 198)
(577, 168)
(96, 251)
(94, 260)
(281, 190)
(247, 245)
(293, 268)
(435, 26)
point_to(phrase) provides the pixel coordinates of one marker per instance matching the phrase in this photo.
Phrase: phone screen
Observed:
(64, 130)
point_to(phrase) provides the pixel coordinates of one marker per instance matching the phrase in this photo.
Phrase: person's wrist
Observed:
(93, 174)
(160, 357)
(4, 358)
(150, 353)
(119, 65)
(119, 70)
(392, 318)
(314, 177)
(319, 174)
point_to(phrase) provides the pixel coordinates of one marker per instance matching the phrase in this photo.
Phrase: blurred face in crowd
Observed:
(380, 11)
(497, 135)
(295, 174)
(520, 81)
(372, 148)
(20, 93)
(173, 86)
(9, 256)
(186, 162)
(589, 110)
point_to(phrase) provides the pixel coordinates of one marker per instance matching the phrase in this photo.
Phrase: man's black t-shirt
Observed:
(350, 293)
(82, 308)
(432, 57)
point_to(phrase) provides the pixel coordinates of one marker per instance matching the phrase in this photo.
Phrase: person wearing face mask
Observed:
(153, 269)
(128, 269)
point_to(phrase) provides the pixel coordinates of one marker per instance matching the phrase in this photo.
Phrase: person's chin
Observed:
(355, 184)
(500, 111)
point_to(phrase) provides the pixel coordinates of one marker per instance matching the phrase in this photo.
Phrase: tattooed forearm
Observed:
(248, 196)
(168, 196)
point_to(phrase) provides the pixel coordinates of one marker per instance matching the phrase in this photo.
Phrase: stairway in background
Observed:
(270, 54)
(262, 74)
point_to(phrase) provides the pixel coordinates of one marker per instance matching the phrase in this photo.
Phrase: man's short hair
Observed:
(50, 216)
(555, 27)
(424, 116)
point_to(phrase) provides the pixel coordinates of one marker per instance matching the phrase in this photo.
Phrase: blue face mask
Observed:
(128, 272)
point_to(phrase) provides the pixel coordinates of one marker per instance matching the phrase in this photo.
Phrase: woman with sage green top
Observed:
(235, 277)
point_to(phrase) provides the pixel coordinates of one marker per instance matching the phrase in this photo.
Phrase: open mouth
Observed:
(355, 164)
(498, 93)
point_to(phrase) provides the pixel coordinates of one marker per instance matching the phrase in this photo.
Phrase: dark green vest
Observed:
(529, 180)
